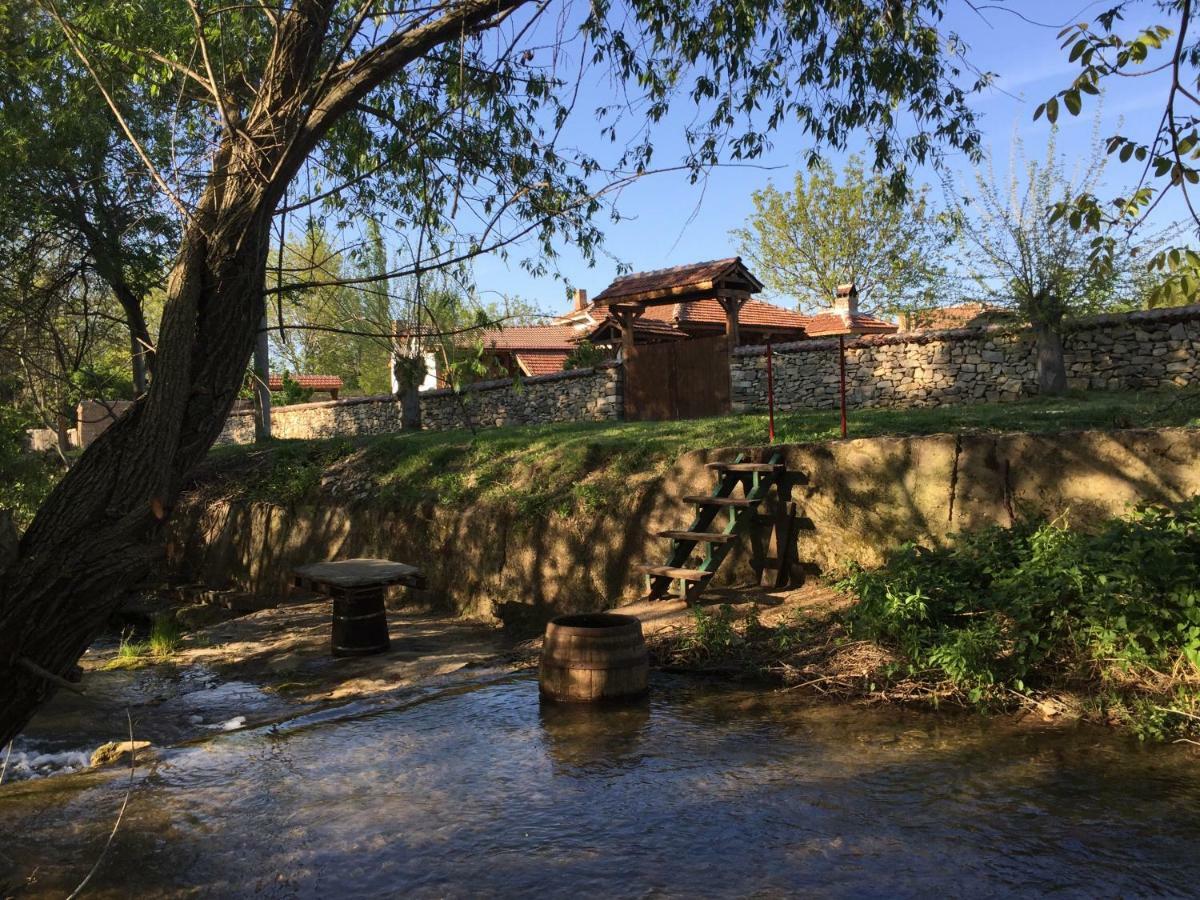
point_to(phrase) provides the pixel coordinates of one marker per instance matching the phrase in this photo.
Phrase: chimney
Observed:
(845, 301)
(580, 299)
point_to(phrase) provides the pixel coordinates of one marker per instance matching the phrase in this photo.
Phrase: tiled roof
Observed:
(541, 362)
(677, 277)
(527, 337)
(312, 382)
(643, 326)
(754, 314)
(824, 324)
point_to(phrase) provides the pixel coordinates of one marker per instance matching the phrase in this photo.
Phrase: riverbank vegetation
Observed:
(572, 466)
(1104, 625)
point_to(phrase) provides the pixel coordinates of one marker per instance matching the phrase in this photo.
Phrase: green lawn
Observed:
(569, 466)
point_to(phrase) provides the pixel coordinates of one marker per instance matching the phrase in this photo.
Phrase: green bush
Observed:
(25, 478)
(1025, 608)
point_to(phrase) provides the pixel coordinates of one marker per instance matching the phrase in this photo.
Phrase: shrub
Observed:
(1004, 610)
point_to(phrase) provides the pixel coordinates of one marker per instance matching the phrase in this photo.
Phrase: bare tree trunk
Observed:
(1051, 368)
(410, 408)
(262, 384)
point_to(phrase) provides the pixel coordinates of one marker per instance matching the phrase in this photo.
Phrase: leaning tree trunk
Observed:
(101, 527)
(1051, 368)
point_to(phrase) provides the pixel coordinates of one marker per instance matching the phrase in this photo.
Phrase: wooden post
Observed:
(770, 394)
(625, 318)
(842, 379)
(732, 307)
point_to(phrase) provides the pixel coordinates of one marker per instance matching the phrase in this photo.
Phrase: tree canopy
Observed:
(828, 231)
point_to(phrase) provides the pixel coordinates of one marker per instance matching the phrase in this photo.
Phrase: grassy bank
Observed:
(1103, 625)
(580, 465)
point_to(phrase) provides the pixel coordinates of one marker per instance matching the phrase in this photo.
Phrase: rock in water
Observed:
(116, 751)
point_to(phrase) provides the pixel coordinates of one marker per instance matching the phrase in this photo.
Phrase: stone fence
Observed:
(972, 365)
(579, 395)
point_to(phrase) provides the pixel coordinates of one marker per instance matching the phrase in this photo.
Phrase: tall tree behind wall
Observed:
(1024, 258)
(830, 230)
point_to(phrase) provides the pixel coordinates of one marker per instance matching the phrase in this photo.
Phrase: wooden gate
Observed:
(678, 380)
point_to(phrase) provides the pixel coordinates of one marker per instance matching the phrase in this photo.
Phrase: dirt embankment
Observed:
(855, 499)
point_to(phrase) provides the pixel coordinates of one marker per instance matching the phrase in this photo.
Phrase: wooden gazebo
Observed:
(727, 281)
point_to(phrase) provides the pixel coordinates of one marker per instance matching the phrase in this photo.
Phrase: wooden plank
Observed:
(722, 501)
(673, 572)
(709, 537)
(746, 467)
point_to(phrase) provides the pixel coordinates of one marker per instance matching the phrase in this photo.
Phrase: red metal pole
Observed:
(842, 362)
(770, 394)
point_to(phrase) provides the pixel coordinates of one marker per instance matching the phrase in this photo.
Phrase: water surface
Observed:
(702, 791)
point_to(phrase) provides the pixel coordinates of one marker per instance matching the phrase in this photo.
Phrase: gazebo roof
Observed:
(715, 278)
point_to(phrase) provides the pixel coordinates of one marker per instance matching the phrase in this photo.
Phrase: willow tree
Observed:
(450, 114)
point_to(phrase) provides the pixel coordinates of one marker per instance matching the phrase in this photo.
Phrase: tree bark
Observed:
(1051, 367)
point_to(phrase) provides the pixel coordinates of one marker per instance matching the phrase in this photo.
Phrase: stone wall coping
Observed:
(500, 383)
(327, 404)
(1085, 323)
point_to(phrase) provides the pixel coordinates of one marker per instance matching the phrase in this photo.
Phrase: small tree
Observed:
(826, 232)
(1025, 258)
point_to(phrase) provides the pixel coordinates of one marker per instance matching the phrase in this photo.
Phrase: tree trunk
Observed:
(101, 527)
(262, 384)
(410, 408)
(1051, 368)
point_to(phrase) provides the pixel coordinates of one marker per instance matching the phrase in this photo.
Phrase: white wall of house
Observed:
(430, 383)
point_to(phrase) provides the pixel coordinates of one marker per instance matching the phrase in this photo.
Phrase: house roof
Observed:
(541, 362)
(311, 382)
(660, 285)
(825, 324)
(528, 337)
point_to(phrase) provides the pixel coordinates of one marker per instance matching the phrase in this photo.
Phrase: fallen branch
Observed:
(49, 676)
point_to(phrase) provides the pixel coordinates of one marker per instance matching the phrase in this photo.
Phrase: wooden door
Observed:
(679, 380)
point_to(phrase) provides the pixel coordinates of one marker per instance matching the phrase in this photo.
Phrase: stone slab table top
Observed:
(356, 574)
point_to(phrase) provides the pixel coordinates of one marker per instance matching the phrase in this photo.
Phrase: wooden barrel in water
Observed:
(593, 656)
(360, 624)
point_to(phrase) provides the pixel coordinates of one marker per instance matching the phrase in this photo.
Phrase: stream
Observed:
(705, 789)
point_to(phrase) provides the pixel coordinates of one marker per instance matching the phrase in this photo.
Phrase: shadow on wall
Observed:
(855, 499)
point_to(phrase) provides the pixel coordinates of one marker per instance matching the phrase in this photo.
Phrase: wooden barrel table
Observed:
(593, 656)
(356, 587)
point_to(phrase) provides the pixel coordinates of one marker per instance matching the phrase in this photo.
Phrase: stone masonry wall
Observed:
(579, 395)
(973, 365)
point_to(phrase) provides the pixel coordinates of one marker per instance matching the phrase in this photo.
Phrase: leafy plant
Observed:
(586, 355)
(1011, 610)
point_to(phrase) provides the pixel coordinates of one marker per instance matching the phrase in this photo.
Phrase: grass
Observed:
(162, 642)
(581, 466)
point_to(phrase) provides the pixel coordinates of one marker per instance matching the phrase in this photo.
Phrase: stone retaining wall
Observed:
(973, 365)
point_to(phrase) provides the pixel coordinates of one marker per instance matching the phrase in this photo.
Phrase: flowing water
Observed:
(703, 790)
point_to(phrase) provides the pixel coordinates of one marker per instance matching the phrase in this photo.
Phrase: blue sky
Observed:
(672, 222)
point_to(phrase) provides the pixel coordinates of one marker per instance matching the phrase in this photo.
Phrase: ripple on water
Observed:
(700, 790)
